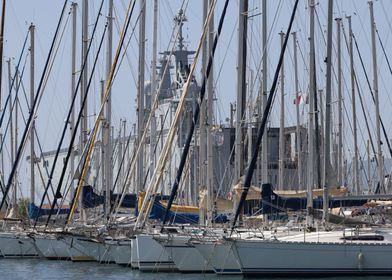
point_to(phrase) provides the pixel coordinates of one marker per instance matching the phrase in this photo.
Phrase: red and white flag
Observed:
(301, 99)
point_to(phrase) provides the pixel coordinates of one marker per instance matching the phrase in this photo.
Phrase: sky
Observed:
(44, 14)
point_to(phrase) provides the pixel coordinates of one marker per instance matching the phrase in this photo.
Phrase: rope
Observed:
(98, 120)
(260, 133)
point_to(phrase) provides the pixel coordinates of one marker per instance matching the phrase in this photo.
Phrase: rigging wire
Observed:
(58, 194)
(49, 183)
(33, 109)
(195, 119)
(98, 120)
(372, 94)
(260, 133)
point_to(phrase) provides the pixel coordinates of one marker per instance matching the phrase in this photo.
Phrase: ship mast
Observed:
(107, 145)
(281, 129)
(153, 91)
(264, 144)
(376, 98)
(328, 132)
(210, 121)
(311, 157)
(73, 87)
(241, 89)
(2, 46)
(356, 187)
(298, 131)
(83, 87)
(140, 95)
(340, 103)
(202, 127)
(32, 131)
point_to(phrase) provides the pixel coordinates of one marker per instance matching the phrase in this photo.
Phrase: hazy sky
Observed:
(51, 114)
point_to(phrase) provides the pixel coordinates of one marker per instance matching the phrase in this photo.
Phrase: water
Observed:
(19, 269)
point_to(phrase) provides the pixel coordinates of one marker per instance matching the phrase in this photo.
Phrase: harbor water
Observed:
(23, 269)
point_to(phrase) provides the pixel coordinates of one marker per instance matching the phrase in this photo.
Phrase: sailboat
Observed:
(338, 251)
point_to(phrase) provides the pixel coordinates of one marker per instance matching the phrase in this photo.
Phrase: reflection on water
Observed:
(20, 269)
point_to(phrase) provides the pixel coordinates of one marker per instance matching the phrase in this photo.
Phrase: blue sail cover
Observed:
(272, 203)
(91, 199)
(158, 212)
(35, 213)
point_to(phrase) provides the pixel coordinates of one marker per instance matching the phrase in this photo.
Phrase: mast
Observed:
(261, 129)
(103, 156)
(376, 99)
(354, 113)
(210, 121)
(122, 174)
(202, 127)
(32, 131)
(153, 88)
(73, 87)
(83, 87)
(2, 45)
(241, 89)
(369, 180)
(328, 132)
(281, 130)
(264, 144)
(340, 103)
(11, 128)
(15, 197)
(2, 158)
(140, 98)
(311, 158)
(298, 131)
(108, 145)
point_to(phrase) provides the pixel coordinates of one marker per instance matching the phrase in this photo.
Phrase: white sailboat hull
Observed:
(77, 252)
(314, 257)
(185, 256)
(52, 248)
(220, 255)
(123, 252)
(96, 250)
(18, 245)
(134, 254)
(152, 256)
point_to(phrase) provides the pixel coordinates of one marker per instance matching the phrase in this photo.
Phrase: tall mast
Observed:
(108, 145)
(83, 87)
(328, 132)
(202, 134)
(264, 143)
(73, 87)
(376, 99)
(298, 131)
(32, 131)
(140, 99)
(210, 121)
(103, 150)
(355, 167)
(340, 103)
(122, 174)
(16, 133)
(153, 92)
(241, 89)
(281, 130)
(11, 127)
(203, 118)
(369, 181)
(2, 45)
(311, 158)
